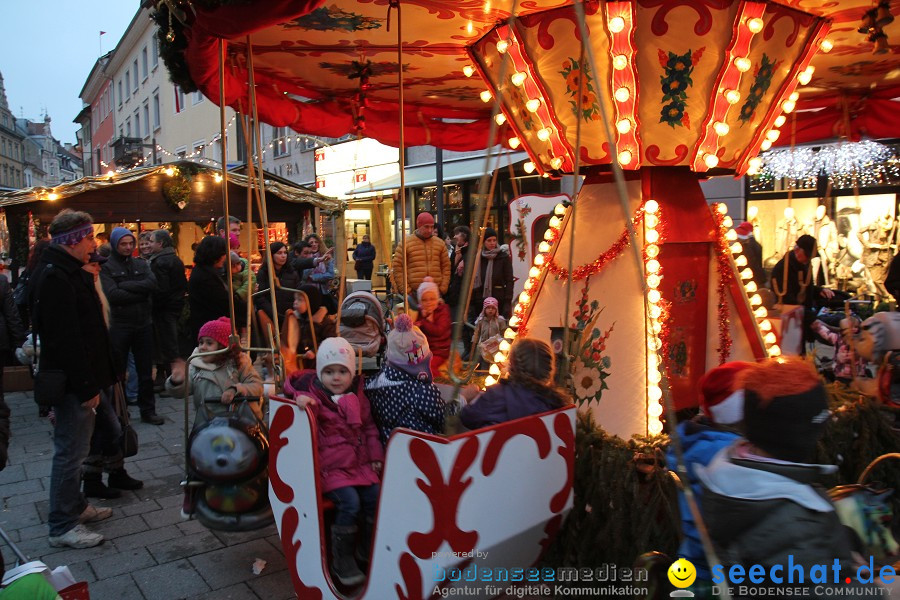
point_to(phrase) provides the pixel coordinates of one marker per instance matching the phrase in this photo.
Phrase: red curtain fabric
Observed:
(325, 117)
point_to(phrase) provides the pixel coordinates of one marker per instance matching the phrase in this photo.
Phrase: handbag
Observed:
(129, 440)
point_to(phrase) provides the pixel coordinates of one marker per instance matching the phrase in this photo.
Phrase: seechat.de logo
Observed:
(682, 574)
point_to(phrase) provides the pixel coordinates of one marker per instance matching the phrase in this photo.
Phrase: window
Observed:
(155, 109)
(197, 97)
(127, 84)
(179, 100)
(199, 149)
(280, 142)
(128, 127)
(217, 149)
(154, 59)
(135, 71)
(120, 92)
(144, 62)
(146, 119)
(181, 152)
(121, 131)
(137, 123)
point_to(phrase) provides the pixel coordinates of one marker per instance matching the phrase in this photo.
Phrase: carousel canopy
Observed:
(701, 84)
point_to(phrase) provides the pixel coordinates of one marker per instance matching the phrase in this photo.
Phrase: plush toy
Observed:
(229, 454)
(878, 340)
(868, 513)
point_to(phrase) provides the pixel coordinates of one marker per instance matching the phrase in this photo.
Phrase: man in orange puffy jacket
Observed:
(425, 255)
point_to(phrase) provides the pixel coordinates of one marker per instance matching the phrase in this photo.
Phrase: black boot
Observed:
(121, 480)
(94, 488)
(364, 547)
(152, 418)
(343, 539)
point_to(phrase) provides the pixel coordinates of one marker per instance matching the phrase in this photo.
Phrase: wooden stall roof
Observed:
(138, 194)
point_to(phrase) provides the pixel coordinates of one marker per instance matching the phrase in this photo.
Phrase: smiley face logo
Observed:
(682, 573)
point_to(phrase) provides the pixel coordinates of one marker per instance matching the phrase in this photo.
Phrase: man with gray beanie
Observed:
(68, 322)
(129, 285)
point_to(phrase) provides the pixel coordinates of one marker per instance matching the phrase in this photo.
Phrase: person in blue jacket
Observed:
(527, 390)
(364, 257)
(722, 404)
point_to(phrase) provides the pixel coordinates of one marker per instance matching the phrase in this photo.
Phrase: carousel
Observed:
(638, 282)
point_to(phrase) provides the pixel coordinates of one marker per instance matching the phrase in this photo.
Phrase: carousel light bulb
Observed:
(528, 284)
(502, 46)
(651, 236)
(539, 259)
(730, 235)
(499, 357)
(721, 128)
(534, 272)
(765, 326)
(486, 96)
(624, 157)
(494, 370)
(755, 300)
(654, 394)
(504, 346)
(651, 206)
(736, 248)
(468, 70)
(554, 222)
(806, 76)
(653, 281)
(548, 235)
(652, 250)
(169, 171)
(788, 106)
(652, 266)
(620, 61)
(743, 64)
(544, 134)
(774, 350)
(556, 162)
(794, 96)
(524, 298)
(826, 45)
(741, 261)
(780, 120)
(653, 376)
(773, 134)
(529, 167)
(727, 222)
(761, 312)
(655, 313)
(509, 334)
(766, 144)
(733, 96)
(518, 78)
(622, 94)
(543, 247)
(721, 208)
(533, 105)
(747, 274)
(654, 428)
(755, 25)
(500, 119)
(750, 286)
(770, 338)
(656, 327)
(651, 221)
(514, 321)
(514, 142)
(653, 296)
(616, 24)
(655, 410)
(623, 125)
(711, 160)
(490, 380)
(559, 209)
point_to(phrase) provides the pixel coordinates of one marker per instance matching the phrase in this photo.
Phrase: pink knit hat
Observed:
(219, 330)
(490, 301)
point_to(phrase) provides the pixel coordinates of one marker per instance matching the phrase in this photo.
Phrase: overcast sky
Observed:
(47, 50)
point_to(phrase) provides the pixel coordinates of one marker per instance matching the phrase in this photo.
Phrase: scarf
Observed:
(488, 283)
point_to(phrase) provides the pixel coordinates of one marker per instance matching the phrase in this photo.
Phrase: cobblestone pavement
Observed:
(150, 552)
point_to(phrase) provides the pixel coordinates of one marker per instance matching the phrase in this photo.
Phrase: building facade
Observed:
(12, 168)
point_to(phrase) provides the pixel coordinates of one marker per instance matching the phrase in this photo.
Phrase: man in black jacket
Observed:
(168, 300)
(129, 285)
(68, 320)
(12, 334)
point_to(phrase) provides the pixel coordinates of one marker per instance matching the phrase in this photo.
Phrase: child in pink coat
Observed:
(350, 454)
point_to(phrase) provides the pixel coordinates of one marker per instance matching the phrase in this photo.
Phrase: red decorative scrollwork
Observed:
(444, 498)
(798, 19)
(289, 521)
(653, 151)
(563, 429)
(283, 419)
(533, 428)
(659, 26)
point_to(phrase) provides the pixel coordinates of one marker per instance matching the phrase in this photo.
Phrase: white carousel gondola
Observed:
(445, 503)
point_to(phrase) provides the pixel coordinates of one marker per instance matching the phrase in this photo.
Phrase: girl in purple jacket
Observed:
(528, 390)
(350, 454)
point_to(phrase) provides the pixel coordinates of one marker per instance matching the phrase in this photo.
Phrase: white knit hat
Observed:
(426, 286)
(335, 351)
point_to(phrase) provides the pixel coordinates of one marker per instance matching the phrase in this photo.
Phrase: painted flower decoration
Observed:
(674, 84)
(572, 72)
(763, 79)
(587, 382)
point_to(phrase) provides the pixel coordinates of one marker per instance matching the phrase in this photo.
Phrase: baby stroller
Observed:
(362, 324)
